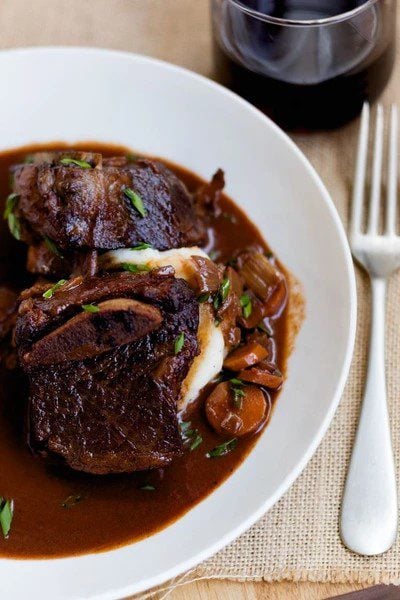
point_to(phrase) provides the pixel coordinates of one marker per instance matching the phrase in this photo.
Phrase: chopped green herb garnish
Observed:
(197, 440)
(28, 159)
(224, 288)
(238, 395)
(74, 161)
(244, 299)
(229, 217)
(13, 221)
(142, 246)
(6, 515)
(185, 425)
(11, 201)
(14, 226)
(52, 247)
(190, 435)
(213, 254)
(180, 340)
(222, 293)
(247, 310)
(92, 308)
(132, 157)
(148, 487)
(269, 255)
(49, 293)
(245, 302)
(135, 268)
(222, 449)
(217, 321)
(72, 500)
(136, 201)
(203, 297)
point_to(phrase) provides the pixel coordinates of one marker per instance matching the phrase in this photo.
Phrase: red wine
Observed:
(313, 77)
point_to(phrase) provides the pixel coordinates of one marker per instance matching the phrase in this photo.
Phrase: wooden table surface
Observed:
(228, 590)
(177, 31)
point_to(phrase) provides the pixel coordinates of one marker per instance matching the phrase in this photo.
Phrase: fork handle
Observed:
(368, 523)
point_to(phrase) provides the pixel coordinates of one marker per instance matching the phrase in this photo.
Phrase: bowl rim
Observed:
(245, 524)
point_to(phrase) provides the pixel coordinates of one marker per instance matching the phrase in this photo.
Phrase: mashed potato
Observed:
(208, 364)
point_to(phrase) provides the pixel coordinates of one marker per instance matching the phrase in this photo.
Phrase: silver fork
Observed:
(368, 523)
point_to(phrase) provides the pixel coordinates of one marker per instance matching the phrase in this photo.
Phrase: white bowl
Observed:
(74, 94)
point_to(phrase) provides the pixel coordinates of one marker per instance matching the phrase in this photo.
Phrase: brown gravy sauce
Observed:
(113, 510)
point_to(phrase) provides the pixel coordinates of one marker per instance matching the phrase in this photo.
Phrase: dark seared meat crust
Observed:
(116, 411)
(86, 208)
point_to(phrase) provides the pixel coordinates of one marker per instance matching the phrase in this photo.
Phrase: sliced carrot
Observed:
(245, 356)
(261, 376)
(231, 420)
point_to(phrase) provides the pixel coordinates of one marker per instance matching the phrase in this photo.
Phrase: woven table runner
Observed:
(298, 538)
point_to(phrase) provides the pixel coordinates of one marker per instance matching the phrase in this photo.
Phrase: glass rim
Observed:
(306, 22)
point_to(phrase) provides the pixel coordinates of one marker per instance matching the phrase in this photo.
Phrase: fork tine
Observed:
(392, 173)
(359, 177)
(376, 173)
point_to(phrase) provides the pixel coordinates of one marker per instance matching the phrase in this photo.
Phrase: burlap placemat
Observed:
(298, 539)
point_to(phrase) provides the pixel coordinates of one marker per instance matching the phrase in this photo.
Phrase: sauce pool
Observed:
(59, 512)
